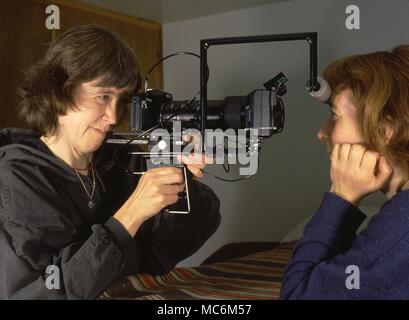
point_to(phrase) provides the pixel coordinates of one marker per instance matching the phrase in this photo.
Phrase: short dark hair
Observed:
(81, 54)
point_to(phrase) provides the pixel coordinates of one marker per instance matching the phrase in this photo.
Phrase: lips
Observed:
(102, 132)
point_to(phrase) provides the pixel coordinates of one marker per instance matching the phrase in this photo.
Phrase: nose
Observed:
(110, 115)
(323, 133)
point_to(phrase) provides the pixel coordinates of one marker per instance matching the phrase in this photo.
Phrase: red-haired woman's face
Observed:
(342, 125)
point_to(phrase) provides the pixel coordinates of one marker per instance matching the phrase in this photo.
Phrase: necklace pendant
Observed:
(91, 204)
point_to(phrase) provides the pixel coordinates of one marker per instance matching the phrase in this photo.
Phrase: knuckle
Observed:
(155, 188)
(371, 154)
(149, 175)
(150, 172)
(358, 148)
(178, 177)
(172, 189)
(345, 147)
(145, 180)
(174, 170)
(163, 170)
(161, 199)
(374, 153)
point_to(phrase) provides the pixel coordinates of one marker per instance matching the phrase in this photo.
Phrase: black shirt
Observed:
(45, 221)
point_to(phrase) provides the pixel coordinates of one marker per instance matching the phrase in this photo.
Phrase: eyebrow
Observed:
(110, 91)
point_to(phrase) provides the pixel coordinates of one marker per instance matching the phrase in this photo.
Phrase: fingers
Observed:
(356, 155)
(164, 175)
(344, 151)
(369, 160)
(174, 189)
(165, 170)
(174, 178)
(193, 136)
(197, 172)
(198, 160)
(353, 154)
(156, 189)
(170, 199)
(334, 154)
(356, 171)
(195, 163)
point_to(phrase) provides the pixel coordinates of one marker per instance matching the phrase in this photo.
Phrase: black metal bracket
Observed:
(310, 37)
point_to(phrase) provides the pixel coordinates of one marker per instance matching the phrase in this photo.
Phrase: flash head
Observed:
(324, 91)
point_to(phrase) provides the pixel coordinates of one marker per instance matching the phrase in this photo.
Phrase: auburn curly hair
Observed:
(380, 83)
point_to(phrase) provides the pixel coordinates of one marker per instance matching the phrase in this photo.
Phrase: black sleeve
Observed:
(36, 235)
(318, 267)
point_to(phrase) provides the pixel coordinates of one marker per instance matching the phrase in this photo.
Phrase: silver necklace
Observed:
(91, 203)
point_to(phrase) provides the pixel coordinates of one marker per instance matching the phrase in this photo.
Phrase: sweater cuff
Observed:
(120, 236)
(335, 213)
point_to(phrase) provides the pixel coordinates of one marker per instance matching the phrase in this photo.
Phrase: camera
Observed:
(260, 114)
(262, 109)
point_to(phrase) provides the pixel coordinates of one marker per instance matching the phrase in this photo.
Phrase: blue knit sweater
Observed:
(331, 262)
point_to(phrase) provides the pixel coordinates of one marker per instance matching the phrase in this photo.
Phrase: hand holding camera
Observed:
(157, 189)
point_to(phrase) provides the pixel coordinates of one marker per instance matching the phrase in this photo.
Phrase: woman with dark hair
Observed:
(62, 208)
(367, 137)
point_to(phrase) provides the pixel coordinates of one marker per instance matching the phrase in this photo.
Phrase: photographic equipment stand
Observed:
(310, 37)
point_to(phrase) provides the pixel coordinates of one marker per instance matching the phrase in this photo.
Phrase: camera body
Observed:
(261, 109)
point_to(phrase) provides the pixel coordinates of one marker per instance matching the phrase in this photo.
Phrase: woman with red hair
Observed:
(367, 137)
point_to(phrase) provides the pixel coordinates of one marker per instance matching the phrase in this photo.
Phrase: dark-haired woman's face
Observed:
(342, 125)
(85, 127)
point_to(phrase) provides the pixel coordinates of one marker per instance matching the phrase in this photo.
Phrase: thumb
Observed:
(384, 171)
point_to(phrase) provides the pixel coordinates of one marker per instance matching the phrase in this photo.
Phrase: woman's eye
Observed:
(333, 114)
(103, 98)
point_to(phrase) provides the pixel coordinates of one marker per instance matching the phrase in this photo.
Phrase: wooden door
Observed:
(24, 39)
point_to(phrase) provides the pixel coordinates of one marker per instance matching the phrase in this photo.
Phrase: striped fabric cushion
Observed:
(255, 276)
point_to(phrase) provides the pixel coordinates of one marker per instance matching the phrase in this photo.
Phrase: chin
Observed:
(96, 147)
(92, 147)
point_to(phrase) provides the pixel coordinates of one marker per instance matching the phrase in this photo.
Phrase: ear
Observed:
(388, 133)
(60, 121)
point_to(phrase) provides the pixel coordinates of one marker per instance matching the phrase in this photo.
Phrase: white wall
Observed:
(293, 173)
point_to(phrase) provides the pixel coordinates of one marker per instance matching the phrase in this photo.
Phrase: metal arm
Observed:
(310, 37)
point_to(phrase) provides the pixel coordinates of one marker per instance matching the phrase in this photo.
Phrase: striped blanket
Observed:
(254, 276)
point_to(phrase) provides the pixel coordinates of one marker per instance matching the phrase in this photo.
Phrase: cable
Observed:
(227, 180)
(167, 57)
(232, 180)
(226, 168)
